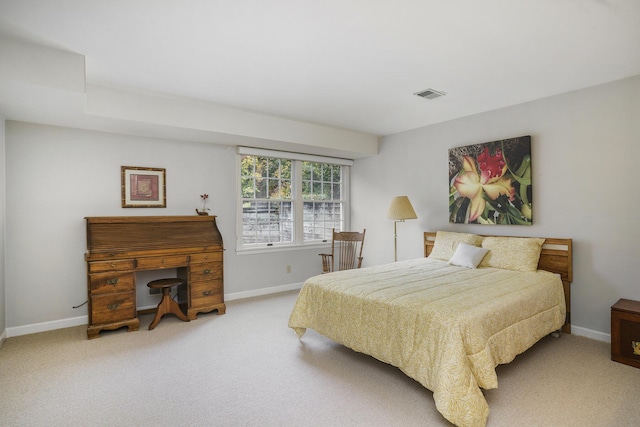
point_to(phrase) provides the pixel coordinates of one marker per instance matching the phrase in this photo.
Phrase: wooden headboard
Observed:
(556, 256)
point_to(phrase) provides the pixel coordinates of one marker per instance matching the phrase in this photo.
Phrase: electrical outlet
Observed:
(288, 269)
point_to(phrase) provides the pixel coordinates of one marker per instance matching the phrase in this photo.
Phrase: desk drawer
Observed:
(110, 308)
(111, 282)
(205, 257)
(119, 265)
(205, 271)
(157, 263)
(204, 294)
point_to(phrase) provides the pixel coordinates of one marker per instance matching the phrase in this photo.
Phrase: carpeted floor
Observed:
(247, 368)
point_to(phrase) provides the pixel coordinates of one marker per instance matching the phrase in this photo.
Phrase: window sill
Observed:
(281, 248)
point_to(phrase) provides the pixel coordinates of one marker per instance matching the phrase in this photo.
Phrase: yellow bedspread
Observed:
(446, 327)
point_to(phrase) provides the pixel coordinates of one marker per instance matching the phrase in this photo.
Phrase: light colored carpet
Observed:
(247, 368)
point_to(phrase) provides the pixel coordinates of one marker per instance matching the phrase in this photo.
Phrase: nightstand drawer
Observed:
(625, 332)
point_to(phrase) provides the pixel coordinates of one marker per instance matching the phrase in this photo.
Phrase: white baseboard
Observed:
(263, 291)
(589, 333)
(3, 336)
(83, 320)
(47, 326)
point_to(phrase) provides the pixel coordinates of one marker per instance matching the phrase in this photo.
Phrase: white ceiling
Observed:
(351, 64)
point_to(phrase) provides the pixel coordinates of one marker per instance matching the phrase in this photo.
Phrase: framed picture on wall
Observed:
(491, 183)
(143, 187)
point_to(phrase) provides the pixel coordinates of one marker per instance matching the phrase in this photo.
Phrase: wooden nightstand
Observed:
(625, 332)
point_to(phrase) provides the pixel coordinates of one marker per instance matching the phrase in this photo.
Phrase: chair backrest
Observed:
(346, 248)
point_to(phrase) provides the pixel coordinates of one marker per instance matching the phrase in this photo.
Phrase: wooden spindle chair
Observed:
(346, 246)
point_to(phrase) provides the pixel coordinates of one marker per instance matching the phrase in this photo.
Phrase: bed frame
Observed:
(556, 256)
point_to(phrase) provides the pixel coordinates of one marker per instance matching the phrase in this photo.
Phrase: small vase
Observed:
(202, 213)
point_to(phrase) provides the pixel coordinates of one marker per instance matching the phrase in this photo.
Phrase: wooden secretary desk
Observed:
(118, 247)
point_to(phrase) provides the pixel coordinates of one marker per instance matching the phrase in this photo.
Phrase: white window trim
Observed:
(278, 247)
(292, 156)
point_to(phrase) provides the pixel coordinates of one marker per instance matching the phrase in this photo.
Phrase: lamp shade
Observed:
(401, 209)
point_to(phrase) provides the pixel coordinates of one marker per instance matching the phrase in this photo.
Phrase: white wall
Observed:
(585, 160)
(3, 320)
(56, 176)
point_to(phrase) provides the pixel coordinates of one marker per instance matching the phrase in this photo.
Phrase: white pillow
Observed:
(468, 256)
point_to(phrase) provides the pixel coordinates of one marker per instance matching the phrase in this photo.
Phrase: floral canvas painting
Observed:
(490, 183)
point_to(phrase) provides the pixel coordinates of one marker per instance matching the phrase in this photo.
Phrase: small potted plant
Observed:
(204, 210)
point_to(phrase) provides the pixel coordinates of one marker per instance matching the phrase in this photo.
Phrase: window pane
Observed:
(326, 191)
(285, 188)
(273, 168)
(336, 195)
(247, 188)
(285, 169)
(261, 166)
(306, 171)
(326, 172)
(306, 190)
(261, 188)
(336, 173)
(267, 222)
(317, 191)
(320, 219)
(247, 166)
(274, 188)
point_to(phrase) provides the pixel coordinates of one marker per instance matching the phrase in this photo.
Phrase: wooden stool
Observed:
(167, 304)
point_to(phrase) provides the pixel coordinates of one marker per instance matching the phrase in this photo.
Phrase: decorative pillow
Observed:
(447, 241)
(512, 253)
(468, 256)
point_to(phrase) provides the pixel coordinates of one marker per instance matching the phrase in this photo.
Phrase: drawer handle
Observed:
(206, 271)
(112, 265)
(114, 306)
(206, 293)
(112, 282)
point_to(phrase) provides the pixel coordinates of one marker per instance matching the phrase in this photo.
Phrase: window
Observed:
(290, 199)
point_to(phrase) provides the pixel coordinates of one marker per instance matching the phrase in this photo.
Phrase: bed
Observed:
(444, 325)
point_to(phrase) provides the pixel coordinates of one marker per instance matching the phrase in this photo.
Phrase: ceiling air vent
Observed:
(430, 93)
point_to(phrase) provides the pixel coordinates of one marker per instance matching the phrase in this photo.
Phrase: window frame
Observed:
(297, 200)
